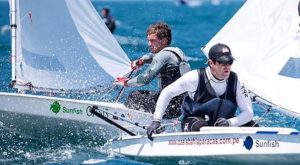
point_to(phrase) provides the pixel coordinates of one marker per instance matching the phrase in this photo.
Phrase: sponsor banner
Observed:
(201, 141)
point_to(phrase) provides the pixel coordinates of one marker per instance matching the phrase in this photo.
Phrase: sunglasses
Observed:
(225, 62)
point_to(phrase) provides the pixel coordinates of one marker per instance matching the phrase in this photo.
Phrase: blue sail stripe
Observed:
(292, 65)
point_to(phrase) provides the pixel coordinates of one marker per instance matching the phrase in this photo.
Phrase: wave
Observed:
(125, 40)
(194, 59)
(94, 161)
(4, 29)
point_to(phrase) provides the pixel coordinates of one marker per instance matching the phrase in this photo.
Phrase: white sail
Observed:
(64, 44)
(265, 41)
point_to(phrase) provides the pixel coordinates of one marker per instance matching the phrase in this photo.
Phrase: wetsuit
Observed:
(110, 23)
(165, 66)
(190, 83)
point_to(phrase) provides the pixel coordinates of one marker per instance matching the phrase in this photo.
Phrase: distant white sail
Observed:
(265, 41)
(64, 44)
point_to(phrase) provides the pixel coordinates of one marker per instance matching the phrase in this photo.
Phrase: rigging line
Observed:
(113, 87)
(159, 130)
(123, 88)
(262, 105)
(262, 116)
(92, 90)
(93, 111)
(258, 99)
(268, 109)
(120, 117)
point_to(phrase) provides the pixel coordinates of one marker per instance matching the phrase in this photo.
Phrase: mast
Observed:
(13, 26)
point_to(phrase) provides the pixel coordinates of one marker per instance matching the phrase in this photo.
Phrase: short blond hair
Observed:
(162, 30)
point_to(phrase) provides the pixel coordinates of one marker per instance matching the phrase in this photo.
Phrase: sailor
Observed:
(108, 19)
(214, 93)
(165, 62)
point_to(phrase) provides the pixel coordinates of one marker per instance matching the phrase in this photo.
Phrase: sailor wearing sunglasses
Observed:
(215, 94)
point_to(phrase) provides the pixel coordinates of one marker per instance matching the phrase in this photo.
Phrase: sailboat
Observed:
(62, 46)
(264, 39)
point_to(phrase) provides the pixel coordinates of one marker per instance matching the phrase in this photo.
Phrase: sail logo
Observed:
(248, 143)
(55, 107)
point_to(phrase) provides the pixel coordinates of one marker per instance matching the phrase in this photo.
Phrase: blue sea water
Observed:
(192, 27)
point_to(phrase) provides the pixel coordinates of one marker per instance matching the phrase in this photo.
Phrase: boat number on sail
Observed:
(55, 107)
(248, 143)
(198, 141)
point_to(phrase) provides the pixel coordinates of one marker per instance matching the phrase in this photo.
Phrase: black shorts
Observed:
(192, 124)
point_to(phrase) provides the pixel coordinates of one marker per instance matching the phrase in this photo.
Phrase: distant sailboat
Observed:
(57, 46)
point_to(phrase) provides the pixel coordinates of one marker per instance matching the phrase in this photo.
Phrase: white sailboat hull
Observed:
(22, 111)
(215, 145)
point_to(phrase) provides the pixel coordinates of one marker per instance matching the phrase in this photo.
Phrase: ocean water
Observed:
(192, 27)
